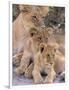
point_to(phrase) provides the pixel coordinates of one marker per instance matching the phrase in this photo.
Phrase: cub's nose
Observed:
(43, 73)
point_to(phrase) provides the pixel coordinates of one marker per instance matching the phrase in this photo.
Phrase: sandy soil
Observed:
(21, 80)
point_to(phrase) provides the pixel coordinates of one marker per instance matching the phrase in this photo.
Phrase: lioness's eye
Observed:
(34, 16)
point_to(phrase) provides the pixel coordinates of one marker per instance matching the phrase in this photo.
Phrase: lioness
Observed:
(30, 16)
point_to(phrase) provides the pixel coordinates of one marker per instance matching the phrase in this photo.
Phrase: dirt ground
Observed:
(21, 80)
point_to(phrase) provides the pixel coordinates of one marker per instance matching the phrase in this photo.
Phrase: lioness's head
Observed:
(34, 13)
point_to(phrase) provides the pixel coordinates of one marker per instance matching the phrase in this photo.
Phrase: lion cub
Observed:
(30, 49)
(45, 64)
(37, 36)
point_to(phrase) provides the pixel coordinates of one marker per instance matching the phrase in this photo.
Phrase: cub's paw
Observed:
(17, 59)
(19, 71)
(28, 72)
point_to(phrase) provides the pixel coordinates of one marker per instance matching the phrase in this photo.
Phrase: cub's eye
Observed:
(46, 39)
(32, 34)
(53, 55)
(54, 50)
(51, 63)
(39, 38)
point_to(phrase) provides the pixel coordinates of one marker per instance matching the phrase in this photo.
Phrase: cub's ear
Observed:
(25, 8)
(42, 47)
(55, 46)
(33, 32)
(50, 30)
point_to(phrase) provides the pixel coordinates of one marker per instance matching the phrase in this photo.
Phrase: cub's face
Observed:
(42, 34)
(36, 35)
(34, 13)
(47, 58)
(48, 53)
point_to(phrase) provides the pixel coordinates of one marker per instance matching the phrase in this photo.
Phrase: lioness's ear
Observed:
(43, 10)
(25, 8)
(21, 7)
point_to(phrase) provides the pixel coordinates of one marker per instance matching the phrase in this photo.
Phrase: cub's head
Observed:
(48, 51)
(42, 34)
(34, 13)
(36, 35)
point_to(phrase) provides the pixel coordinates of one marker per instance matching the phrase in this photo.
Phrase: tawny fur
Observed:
(26, 20)
(47, 61)
(32, 47)
(30, 50)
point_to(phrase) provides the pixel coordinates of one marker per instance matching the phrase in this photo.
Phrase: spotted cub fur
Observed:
(30, 49)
